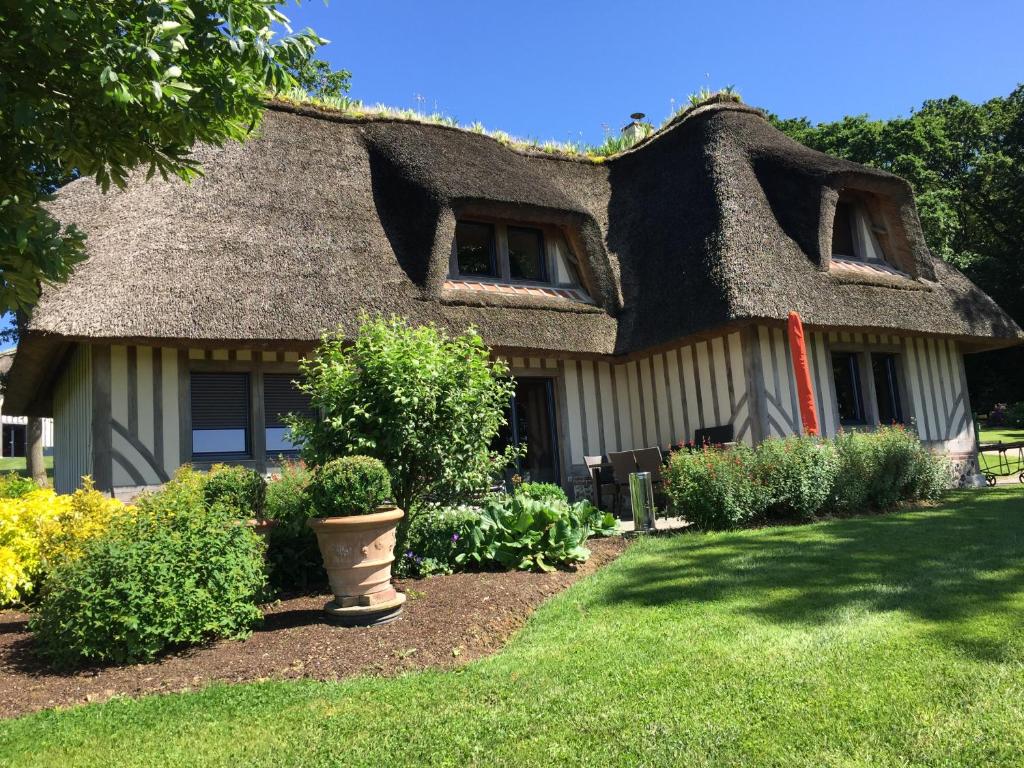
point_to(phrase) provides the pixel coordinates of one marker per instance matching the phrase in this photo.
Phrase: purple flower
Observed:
(455, 537)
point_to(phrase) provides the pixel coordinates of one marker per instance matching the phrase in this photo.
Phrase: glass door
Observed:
(531, 422)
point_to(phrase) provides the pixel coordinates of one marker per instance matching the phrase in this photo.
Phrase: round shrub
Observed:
(714, 489)
(175, 573)
(795, 475)
(239, 488)
(541, 492)
(351, 485)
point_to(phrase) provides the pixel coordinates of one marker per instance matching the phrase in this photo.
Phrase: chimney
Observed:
(636, 130)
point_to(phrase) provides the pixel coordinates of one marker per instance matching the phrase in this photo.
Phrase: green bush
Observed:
(427, 404)
(541, 492)
(881, 468)
(715, 489)
(437, 536)
(508, 532)
(351, 485)
(795, 476)
(14, 486)
(238, 488)
(293, 557)
(173, 574)
(1015, 415)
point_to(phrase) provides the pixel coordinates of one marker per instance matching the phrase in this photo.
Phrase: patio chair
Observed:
(623, 464)
(719, 435)
(600, 477)
(649, 460)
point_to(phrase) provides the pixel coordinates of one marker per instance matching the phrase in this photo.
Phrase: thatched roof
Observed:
(719, 219)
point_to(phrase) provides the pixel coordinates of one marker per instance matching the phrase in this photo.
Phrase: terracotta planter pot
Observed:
(358, 552)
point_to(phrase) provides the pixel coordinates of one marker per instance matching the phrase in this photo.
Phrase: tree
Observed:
(316, 78)
(426, 404)
(100, 88)
(966, 164)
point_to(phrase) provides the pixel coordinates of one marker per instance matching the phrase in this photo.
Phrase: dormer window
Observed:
(854, 232)
(513, 253)
(476, 249)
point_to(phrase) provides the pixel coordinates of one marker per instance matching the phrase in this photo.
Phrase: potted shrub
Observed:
(356, 533)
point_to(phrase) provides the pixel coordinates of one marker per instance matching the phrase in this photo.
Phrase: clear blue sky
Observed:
(559, 69)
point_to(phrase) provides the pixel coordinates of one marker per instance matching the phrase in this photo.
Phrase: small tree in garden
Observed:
(427, 404)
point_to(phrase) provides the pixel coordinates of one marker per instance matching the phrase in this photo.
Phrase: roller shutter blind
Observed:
(280, 397)
(220, 413)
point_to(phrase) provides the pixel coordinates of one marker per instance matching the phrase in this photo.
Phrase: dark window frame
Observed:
(853, 370)
(495, 271)
(893, 387)
(258, 458)
(542, 254)
(212, 456)
(272, 422)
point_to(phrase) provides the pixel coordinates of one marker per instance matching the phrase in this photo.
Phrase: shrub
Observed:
(541, 492)
(14, 486)
(293, 558)
(881, 468)
(795, 476)
(239, 488)
(714, 489)
(437, 536)
(1015, 415)
(426, 404)
(41, 528)
(175, 573)
(510, 532)
(351, 485)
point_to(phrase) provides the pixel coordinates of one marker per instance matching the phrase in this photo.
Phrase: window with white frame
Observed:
(506, 252)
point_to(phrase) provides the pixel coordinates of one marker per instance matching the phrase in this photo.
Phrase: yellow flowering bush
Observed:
(41, 528)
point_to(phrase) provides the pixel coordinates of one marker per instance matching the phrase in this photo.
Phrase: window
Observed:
(842, 231)
(887, 389)
(526, 254)
(474, 242)
(846, 373)
(280, 398)
(853, 232)
(220, 414)
(513, 253)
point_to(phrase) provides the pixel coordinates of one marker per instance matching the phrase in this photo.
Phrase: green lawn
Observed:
(892, 640)
(1005, 435)
(14, 464)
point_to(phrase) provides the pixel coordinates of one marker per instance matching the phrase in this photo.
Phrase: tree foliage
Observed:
(100, 88)
(966, 164)
(316, 78)
(426, 404)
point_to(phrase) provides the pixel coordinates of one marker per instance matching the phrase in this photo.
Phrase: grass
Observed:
(16, 464)
(990, 461)
(892, 640)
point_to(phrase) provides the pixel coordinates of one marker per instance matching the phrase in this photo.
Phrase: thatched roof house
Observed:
(647, 291)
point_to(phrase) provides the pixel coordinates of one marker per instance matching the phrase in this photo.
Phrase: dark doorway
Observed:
(14, 436)
(531, 422)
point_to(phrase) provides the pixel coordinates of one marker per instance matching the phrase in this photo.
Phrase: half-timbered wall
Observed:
(933, 392)
(654, 400)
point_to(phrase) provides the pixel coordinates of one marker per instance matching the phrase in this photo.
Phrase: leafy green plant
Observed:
(881, 468)
(14, 486)
(541, 491)
(437, 536)
(99, 89)
(175, 573)
(350, 485)
(426, 404)
(239, 488)
(795, 475)
(714, 489)
(293, 557)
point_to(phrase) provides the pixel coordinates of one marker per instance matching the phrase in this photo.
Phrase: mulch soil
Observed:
(447, 621)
